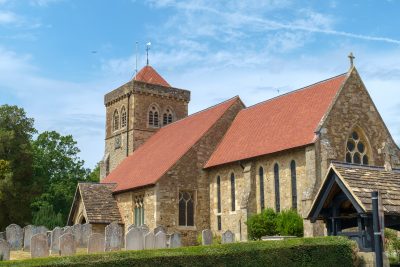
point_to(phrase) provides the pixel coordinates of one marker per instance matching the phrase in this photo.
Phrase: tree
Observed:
(17, 188)
(94, 176)
(58, 168)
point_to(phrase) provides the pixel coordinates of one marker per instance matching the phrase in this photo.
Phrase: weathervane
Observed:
(147, 51)
(351, 57)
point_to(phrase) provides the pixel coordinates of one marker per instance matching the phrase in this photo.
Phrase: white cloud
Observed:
(7, 17)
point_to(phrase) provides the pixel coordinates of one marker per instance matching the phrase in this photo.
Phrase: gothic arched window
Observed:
(261, 174)
(139, 211)
(277, 193)
(357, 150)
(294, 184)
(233, 196)
(153, 117)
(123, 117)
(167, 116)
(116, 120)
(186, 208)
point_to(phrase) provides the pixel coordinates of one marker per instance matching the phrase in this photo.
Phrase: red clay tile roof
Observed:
(150, 75)
(281, 123)
(161, 151)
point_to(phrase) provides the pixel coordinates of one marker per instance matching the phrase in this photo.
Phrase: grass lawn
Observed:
(24, 255)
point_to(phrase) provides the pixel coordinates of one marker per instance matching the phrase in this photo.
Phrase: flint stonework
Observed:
(67, 245)
(207, 237)
(134, 239)
(114, 237)
(14, 235)
(96, 243)
(39, 246)
(4, 250)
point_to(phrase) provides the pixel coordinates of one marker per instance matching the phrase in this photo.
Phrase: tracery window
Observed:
(277, 193)
(167, 116)
(356, 149)
(153, 117)
(233, 197)
(139, 211)
(186, 208)
(123, 117)
(262, 201)
(116, 120)
(294, 184)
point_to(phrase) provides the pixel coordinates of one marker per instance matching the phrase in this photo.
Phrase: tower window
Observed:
(233, 196)
(294, 184)
(277, 193)
(219, 194)
(116, 120)
(167, 116)
(186, 208)
(153, 117)
(356, 149)
(123, 117)
(262, 201)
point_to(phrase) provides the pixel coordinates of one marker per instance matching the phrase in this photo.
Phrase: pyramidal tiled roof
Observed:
(162, 150)
(278, 124)
(149, 75)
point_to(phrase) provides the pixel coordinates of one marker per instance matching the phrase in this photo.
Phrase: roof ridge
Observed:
(373, 167)
(203, 110)
(295, 91)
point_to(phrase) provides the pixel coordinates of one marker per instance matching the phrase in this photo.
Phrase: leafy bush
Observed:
(322, 251)
(262, 224)
(47, 217)
(289, 222)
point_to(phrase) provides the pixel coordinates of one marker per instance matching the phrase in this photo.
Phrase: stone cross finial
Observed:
(351, 57)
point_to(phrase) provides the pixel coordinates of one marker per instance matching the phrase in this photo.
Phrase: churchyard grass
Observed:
(324, 251)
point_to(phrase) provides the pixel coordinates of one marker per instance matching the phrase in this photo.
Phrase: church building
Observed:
(215, 168)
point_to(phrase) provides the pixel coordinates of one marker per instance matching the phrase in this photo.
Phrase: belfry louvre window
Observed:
(167, 117)
(153, 117)
(233, 196)
(123, 117)
(116, 120)
(277, 193)
(218, 194)
(186, 208)
(139, 211)
(294, 184)
(262, 201)
(356, 149)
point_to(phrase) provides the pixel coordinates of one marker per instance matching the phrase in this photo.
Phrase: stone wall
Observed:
(247, 189)
(188, 174)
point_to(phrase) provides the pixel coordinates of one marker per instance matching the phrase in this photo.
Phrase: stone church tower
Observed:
(135, 111)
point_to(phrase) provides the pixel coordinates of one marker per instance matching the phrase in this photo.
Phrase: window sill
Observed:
(187, 228)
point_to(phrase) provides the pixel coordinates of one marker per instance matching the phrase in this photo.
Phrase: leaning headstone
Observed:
(206, 237)
(38, 246)
(228, 237)
(114, 237)
(160, 240)
(134, 239)
(3, 235)
(175, 240)
(96, 243)
(67, 245)
(149, 241)
(14, 235)
(55, 240)
(159, 229)
(77, 232)
(86, 232)
(4, 250)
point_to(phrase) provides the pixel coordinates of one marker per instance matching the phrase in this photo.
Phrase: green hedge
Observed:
(324, 251)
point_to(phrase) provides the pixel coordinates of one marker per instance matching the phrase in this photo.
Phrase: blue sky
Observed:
(59, 57)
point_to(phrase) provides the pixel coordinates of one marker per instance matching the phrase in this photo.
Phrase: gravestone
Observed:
(131, 226)
(149, 241)
(86, 232)
(134, 239)
(159, 228)
(206, 237)
(68, 230)
(77, 232)
(4, 250)
(14, 236)
(39, 246)
(3, 235)
(175, 240)
(55, 240)
(29, 231)
(67, 245)
(145, 229)
(96, 243)
(48, 233)
(160, 240)
(228, 237)
(114, 237)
